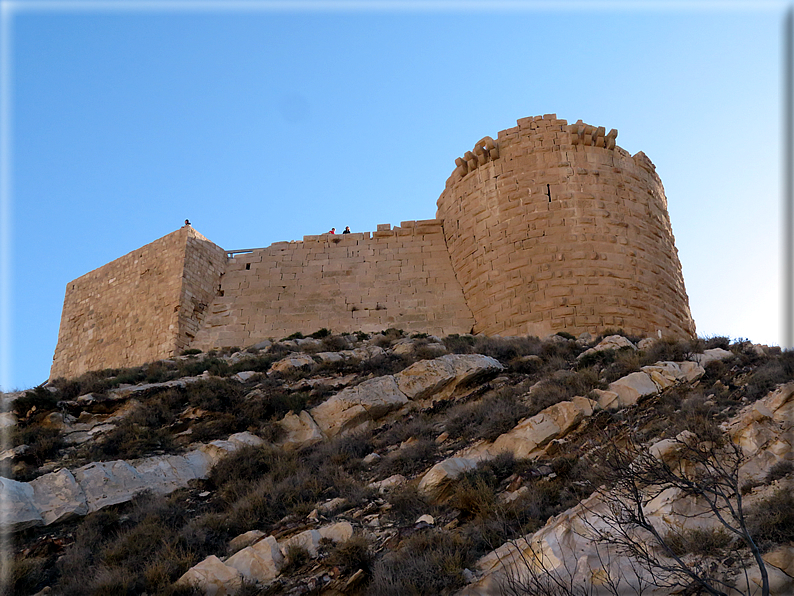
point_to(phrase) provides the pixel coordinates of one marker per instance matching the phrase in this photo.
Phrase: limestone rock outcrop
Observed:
(62, 494)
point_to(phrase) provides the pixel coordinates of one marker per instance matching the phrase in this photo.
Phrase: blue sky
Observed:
(263, 124)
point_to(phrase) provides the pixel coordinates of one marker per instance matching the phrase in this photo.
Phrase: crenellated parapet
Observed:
(484, 151)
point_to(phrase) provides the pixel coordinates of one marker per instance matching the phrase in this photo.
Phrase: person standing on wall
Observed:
(347, 230)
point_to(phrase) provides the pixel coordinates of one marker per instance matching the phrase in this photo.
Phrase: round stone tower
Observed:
(553, 227)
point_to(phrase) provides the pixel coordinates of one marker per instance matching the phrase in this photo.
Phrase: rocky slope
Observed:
(387, 464)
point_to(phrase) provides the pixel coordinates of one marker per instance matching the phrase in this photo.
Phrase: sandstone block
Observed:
(356, 405)
(296, 360)
(631, 388)
(246, 539)
(20, 511)
(259, 562)
(437, 482)
(213, 578)
(300, 430)
(58, 497)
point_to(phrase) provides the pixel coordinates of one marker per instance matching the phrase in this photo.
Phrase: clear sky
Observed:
(263, 122)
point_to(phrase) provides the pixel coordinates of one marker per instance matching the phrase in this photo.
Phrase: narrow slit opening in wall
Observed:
(248, 266)
(548, 188)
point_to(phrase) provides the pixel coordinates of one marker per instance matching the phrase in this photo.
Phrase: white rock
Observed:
(383, 485)
(330, 356)
(247, 539)
(260, 562)
(7, 420)
(363, 353)
(109, 483)
(300, 430)
(611, 342)
(371, 459)
(58, 497)
(632, 387)
(354, 406)
(332, 505)
(164, 474)
(710, 356)
(19, 510)
(213, 578)
(338, 532)
(667, 374)
(426, 518)
(309, 540)
(292, 361)
(437, 482)
(533, 433)
(243, 376)
(439, 377)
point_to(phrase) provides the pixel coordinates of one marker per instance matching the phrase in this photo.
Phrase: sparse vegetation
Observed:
(146, 544)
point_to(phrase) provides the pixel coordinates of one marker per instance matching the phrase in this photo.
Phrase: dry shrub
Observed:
(707, 542)
(353, 554)
(418, 426)
(497, 413)
(409, 460)
(407, 504)
(430, 562)
(771, 521)
(562, 386)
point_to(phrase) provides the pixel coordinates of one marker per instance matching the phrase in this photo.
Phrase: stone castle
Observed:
(551, 227)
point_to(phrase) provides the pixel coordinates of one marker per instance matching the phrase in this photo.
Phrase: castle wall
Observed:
(552, 227)
(136, 309)
(555, 228)
(399, 277)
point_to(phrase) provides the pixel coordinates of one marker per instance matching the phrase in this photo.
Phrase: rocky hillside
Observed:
(392, 465)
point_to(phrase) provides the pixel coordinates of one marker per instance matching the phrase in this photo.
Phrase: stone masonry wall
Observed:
(553, 227)
(399, 277)
(141, 307)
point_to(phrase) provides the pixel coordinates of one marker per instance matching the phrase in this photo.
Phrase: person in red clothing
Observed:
(333, 231)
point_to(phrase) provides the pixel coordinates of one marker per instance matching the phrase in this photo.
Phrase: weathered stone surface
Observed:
(330, 356)
(367, 352)
(354, 406)
(383, 485)
(532, 433)
(440, 376)
(109, 483)
(765, 432)
(213, 578)
(259, 562)
(124, 391)
(308, 539)
(631, 388)
(244, 375)
(782, 558)
(338, 532)
(294, 360)
(710, 356)
(19, 508)
(437, 482)
(300, 430)
(247, 539)
(611, 342)
(7, 420)
(58, 496)
(166, 473)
